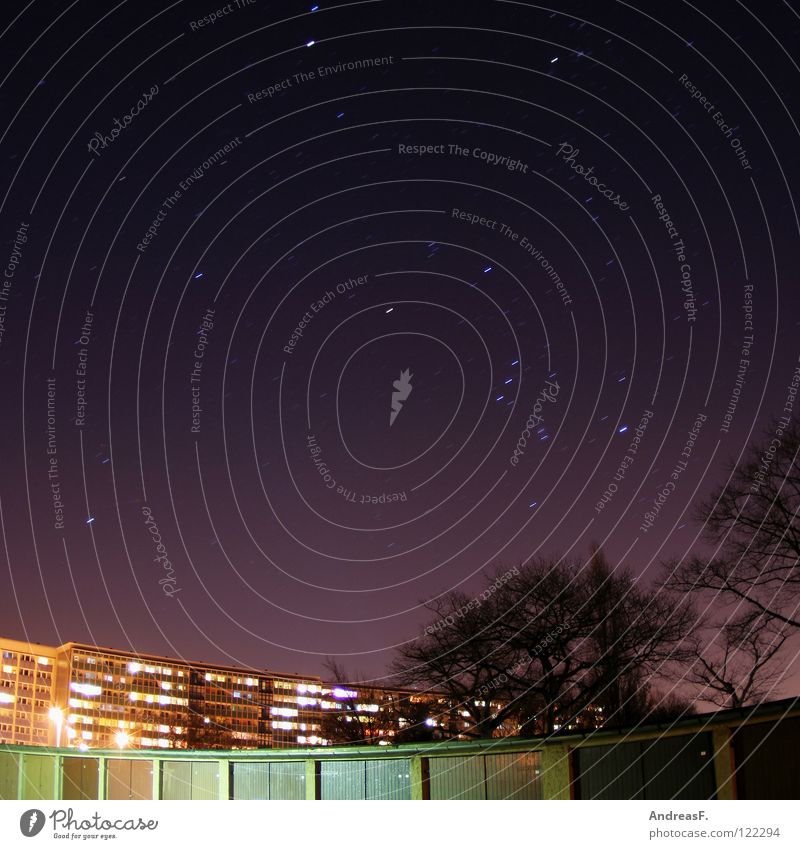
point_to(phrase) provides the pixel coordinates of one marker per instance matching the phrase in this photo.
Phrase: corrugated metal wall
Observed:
(189, 780)
(129, 779)
(343, 780)
(9, 769)
(38, 776)
(80, 778)
(513, 776)
(250, 781)
(767, 760)
(287, 780)
(458, 778)
(276, 780)
(389, 779)
(367, 779)
(666, 768)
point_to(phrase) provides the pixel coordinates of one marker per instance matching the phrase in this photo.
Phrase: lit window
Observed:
(165, 685)
(6, 698)
(133, 668)
(85, 689)
(341, 693)
(44, 661)
(7, 668)
(208, 676)
(251, 682)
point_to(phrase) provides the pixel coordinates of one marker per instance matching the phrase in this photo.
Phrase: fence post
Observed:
(312, 780)
(555, 775)
(224, 767)
(723, 763)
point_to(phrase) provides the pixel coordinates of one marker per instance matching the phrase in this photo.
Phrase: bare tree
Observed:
(552, 642)
(752, 521)
(737, 664)
(400, 717)
(460, 654)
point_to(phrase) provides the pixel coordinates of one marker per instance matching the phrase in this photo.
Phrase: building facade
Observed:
(91, 697)
(27, 677)
(94, 697)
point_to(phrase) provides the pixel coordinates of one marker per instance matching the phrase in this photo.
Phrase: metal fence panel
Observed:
(38, 776)
(127, 778)
(250, 780)
(287, 780)
(9, 770)
(457, 778)
(80, 778)
(343, 779)
(679, 767)
(766, 757)
(609, 772)
(198, 780)
(513, 776)
(176, 780)
(389, 779)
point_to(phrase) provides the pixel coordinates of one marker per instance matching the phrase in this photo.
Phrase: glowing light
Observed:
(341, 693)
(133, 668)
(487, 269)
(165, 685)
(85, 689)
(310, 43)
(623, 428)
(7, 699)
(83, 747)
(121, 739)
(43, 661)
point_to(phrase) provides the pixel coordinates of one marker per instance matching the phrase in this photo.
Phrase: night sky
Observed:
(225, 240)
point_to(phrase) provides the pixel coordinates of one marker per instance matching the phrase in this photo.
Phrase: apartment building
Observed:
(27, 675)
(89, 696)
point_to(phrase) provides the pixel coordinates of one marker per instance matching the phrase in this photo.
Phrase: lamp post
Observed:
(57, 716)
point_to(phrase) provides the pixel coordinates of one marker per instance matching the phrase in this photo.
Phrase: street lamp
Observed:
(121, 739)
(57, 716)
